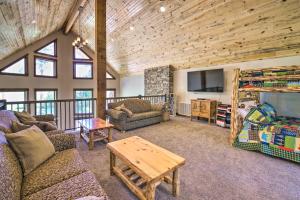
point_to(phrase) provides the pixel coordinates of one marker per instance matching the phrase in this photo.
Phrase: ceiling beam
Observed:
(79, 5)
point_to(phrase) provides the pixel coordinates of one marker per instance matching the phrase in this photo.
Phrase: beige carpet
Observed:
(213, 169)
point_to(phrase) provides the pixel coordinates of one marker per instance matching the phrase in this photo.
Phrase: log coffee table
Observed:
(144, 165)
(95, 129)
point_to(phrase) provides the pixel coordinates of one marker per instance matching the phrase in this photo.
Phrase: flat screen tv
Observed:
(206, 81)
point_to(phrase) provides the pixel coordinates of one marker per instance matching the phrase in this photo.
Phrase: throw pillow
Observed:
(4, 129)
(6, 118)
(269, 110)
(18, 126)
(127, 111)
(53, 123)
(44, 126)
(32, 147)
(24, 116)
(119, 108)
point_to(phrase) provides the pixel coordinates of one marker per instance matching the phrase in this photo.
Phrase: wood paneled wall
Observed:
(24, 22)
(191, 33)
(195, 33)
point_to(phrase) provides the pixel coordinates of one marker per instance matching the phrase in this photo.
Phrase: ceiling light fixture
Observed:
(162, 9)
(33, 22)
(79, 42)
(131, 28)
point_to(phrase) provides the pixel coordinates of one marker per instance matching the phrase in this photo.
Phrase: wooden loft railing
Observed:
(68, 112)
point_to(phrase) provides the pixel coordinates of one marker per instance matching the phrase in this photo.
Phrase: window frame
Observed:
(82, 62)
(74, 97)
(26, 90)
(13, 62)
(55, 49)
(113, 90)
(81, 59)
(113, 77)
(48, 59)
(26, 95)
(45, 90)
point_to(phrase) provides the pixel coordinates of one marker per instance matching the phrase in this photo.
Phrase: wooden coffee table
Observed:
(144, 165)
(95, 129)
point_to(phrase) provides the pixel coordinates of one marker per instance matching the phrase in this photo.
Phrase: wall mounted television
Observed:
(206, 81)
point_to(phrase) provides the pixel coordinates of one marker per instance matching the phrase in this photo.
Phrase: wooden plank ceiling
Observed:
(195, 33)
(26, 21)
(191, 33)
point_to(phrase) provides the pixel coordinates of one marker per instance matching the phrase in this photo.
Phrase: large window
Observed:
(82, 105)
(18, 67)
(82, 65)
(44, 67)
(44, 108)
(15, 95)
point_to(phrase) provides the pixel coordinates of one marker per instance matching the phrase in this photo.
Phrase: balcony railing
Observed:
(68, 112)
(153, 99)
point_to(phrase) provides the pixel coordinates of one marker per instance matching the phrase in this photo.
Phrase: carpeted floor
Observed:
(213, 169)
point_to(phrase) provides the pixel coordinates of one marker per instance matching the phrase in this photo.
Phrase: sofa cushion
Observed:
(60, 167)
(10, 172)
(145, 115)
(127, 111)
(137, 105)
(44, 126)
(119, 108)
(5, 130)
(24, 116)
(63, 142)
(18, 126)
(82, 185)
(55, 132)
(31, 146)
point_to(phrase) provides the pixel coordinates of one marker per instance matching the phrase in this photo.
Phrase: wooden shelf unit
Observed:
(270, 78)
(292, 74)
(223, 115)
(203, 108)
(292, 90)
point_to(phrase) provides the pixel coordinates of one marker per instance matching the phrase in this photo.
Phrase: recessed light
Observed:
(112, 39)
(162, 9)
(131, 28)
(33, 22)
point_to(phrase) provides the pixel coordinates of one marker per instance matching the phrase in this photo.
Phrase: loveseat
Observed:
(143, 114)
(62, 176)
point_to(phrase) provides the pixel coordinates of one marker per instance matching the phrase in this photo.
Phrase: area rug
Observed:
(213, 170)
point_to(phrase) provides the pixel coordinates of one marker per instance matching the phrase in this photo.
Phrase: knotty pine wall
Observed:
(64, 82)
(196, 33)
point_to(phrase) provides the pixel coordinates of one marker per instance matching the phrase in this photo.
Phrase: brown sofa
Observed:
(144, 114)
(63, 176)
